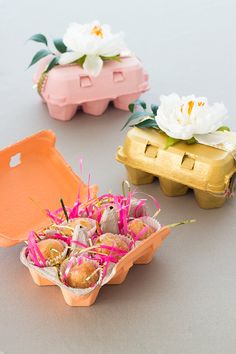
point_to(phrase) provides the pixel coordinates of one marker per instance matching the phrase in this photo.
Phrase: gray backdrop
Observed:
(184, 301)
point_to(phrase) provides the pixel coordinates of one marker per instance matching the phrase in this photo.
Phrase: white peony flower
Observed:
(190, 116)
(94, 41)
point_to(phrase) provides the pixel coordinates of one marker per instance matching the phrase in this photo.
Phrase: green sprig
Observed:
(146, 123)
(80, 61)
(191, 141)
(39, 55)
(146, 117)
(135, 116)
(171, 141)
(52, 63)
(61, 48)
(136, 104)
(59, 45)
(113, 57)
(39, 37)
(154, 109)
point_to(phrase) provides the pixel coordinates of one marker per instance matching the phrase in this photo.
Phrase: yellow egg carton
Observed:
(209, 171)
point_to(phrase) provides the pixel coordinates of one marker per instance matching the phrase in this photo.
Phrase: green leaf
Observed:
(59, 45)
(39, 37)
(131, 107)
(80, 61)
(147, 123)
(154, 109)
(224, 128)
(191, 141)
(39, 55)
(140, 103)
(113, 57)
(134, 116)
(52, 63)
(171, 141)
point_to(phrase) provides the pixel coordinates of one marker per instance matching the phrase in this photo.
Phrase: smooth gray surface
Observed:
(184, 301)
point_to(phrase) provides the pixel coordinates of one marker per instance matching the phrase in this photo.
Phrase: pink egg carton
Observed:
(67, 88)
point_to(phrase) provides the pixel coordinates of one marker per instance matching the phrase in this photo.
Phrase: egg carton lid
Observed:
(33, 178)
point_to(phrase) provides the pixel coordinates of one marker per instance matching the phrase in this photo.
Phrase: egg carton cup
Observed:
(124, 238)
(76, 291)
(150, 221)
(50, 276)
(67, 88)
(209, 171)
(116, 274)
(56, 260)
(74, 261)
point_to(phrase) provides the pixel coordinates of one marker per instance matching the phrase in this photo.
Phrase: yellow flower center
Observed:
(97, 31)
(200, 103)
(190, 107)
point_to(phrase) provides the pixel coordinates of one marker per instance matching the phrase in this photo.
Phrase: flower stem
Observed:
(181, 223)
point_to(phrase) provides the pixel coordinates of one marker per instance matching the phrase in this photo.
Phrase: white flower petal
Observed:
(212, 139)
(70, 36)
(69, 57)
(126, 53)
(183, 118)
(112, 46)
(106, 30)
(81, 38)
(93, 65)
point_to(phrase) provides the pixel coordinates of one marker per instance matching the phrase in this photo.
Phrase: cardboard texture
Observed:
(68, 88)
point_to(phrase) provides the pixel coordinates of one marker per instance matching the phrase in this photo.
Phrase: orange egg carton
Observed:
(34, 176)
(142, 254)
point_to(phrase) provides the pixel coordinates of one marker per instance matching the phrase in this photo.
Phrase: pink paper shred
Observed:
(94, 209)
